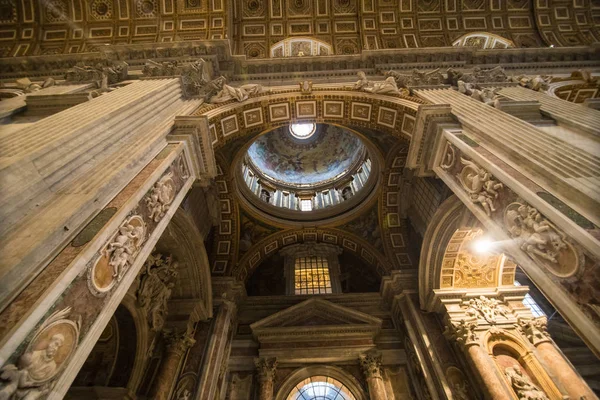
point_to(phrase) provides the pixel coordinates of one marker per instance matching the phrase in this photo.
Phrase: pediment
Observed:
(316, 317)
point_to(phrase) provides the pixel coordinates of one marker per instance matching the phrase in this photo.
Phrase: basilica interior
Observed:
(300, 199)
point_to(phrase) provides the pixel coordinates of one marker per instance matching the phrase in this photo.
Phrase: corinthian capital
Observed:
(463, 332)
(535, 329)
(265, 368)
(371, 364)
(179, 342)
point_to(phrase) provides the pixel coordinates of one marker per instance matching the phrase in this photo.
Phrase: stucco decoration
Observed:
(156, 285)
(228, 92)
(541, 239)
(388, 86)
(45, 357)
(482, 187)
(118, 255)
(489, 309)
(417, 78)
(160, 198)
(329, 153)
(535, 329)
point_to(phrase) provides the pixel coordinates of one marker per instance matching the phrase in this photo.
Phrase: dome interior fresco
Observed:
(329, 153)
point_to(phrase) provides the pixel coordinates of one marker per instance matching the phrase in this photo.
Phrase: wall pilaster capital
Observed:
(178, 342)
(463, 332)
(535, 329)
(371, 364)
(265, 368)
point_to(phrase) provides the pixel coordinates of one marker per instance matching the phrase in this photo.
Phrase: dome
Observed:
(328, 153)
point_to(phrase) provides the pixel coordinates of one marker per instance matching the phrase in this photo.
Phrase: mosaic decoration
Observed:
(330, 152)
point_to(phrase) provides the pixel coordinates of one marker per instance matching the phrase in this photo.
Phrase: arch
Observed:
(464, 268)
(320, 370)
(451, 214)
(183, 240)
(143, 336)
(263, 249)
(484, 40)
(308, 46)
(394, 115)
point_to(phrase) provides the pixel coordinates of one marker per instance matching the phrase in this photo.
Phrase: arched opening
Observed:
(320, 382)
(320, 388)
(301, 46)
(109, 367)
(484, 40)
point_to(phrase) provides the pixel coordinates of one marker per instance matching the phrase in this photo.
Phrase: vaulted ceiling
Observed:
(33, 27)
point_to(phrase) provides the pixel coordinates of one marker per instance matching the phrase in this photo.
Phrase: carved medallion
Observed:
(542, 240)
(46, 356)
(117, 256)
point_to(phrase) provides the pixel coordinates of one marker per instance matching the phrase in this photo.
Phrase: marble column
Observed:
(464, 334)
(535, 331)
(177, 345)
(371, 366)
(265, 369)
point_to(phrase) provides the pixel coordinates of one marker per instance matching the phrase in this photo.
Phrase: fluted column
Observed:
(464, 334)
(371, 366)
(265, 369)
(535, 331)
(177, 345)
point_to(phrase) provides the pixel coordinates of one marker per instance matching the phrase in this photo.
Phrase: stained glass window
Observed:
(311, 275)
(320, 388)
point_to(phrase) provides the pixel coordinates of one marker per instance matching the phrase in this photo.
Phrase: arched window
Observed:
(300, 46)
(320, 388)
(483, 40)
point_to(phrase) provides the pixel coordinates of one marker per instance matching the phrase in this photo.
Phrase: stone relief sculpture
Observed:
(388, 86)
(48, 353)
(537, 236)
(125, 246)
(522, 385)
(417, 78)
(539, 83)
(164, 68)
(231, 93)
(484, 95)
(115, 72)
(480, 185)
(160, 198)
(156, 286)
(488, 308)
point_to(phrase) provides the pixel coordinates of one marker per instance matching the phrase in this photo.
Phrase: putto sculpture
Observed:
(480, 185)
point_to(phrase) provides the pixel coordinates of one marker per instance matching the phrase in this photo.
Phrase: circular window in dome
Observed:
(303, 130)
